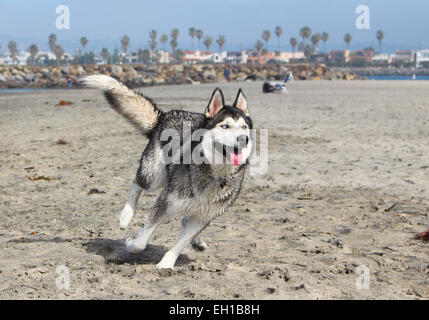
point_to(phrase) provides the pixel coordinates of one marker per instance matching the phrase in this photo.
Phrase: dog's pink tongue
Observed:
(236, 159)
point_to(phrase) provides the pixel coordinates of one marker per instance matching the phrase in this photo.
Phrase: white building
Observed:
(21, 59)
(404, 56)
(99, 60)
(163, 56)
(191, 57)
(42, 55)
(129, 58)
(382, 58)
(422, 56)
(236, 57)
(218, 57)
(286, 56)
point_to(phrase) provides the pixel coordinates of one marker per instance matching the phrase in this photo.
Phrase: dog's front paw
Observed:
(167, 262)
(126, 216)
(131, 247)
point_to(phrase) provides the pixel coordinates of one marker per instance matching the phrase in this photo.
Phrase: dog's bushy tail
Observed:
(139, 110)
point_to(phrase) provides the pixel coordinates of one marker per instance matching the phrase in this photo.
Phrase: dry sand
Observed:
(347, 185)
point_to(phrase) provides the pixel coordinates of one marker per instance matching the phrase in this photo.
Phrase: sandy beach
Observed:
(346, 190)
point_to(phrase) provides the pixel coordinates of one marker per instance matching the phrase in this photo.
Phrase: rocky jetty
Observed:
(383, 71)
(152, 75)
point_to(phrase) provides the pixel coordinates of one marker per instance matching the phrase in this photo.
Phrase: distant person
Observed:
(227, 74)
(289, 77)
(69, 83)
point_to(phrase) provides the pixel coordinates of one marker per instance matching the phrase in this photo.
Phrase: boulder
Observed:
(209, 75)
(66, 70)
(131, 72)
(147, 82)
(177, 68)
(157, 81)
(30, 77)
(19, 78)
(80, 71)
(116, 70)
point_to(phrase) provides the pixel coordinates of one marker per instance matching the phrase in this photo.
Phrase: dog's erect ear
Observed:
(241, 102)
(216, 103)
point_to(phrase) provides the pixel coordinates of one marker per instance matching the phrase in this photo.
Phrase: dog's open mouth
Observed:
(235, 157)
(234, 154)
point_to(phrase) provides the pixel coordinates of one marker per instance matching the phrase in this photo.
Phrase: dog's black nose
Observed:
(243, 140)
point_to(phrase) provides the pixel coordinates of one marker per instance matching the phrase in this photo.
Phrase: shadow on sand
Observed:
(113, 251)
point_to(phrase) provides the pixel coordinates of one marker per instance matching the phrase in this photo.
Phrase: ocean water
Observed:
(397, 77)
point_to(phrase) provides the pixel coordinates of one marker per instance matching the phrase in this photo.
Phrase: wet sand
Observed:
(346, 189)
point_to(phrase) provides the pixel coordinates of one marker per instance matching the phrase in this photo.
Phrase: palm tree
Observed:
(52, 42)
(178, 56)
(84, 42)
(324, 37)
(315, 38)
(192, 34)
(12, 46)
(174, 34)
(152, 42)
(125, 43)
(380, 36)
(105, 54)
(293, 42)
(266, 35)
(143, 55)
(308, 50)
(208, 42)
(347, 39)
(305, 33)
(164, 39)
(221, 42)
(173, 44)
(59, 52)
(34, 50)
(278, 31)
(258, 46)
(200, 35)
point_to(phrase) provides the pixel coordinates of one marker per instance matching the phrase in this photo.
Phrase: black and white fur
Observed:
(196, 192)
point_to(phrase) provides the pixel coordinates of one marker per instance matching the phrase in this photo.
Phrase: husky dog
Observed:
(196, 192)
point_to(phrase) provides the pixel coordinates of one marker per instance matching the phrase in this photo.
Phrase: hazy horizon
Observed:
(242, 22)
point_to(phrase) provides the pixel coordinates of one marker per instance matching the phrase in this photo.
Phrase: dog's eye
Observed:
(244, 127)
(224, 126)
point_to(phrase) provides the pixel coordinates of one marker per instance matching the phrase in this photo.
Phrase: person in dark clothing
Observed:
(227, 74)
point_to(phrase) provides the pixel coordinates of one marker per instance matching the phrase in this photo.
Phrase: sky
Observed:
(405, 23)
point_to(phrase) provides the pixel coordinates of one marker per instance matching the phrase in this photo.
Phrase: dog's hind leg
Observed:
(151, 175)
(192, 228)
(197, 243)
(129, 209)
